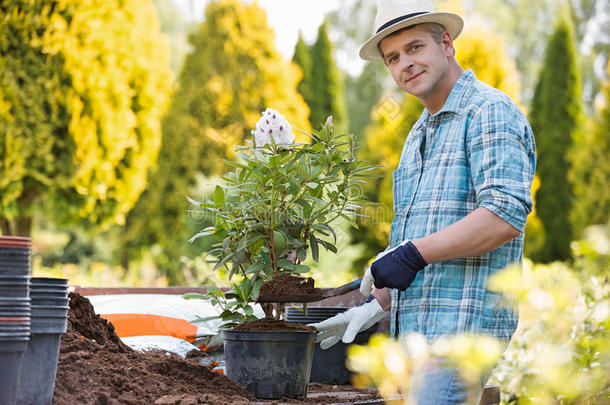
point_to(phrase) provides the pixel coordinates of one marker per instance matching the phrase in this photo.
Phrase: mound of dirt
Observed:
(95, 367)
(286, 284)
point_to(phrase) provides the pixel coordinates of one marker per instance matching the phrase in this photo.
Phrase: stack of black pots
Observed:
(33, 316)
(49, 321)
(328, 365)
(15, 312)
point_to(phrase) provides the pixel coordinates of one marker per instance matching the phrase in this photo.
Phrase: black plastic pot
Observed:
(49, 322)
(11, 358)
(37, 381)
(270, 364)
(328, 365)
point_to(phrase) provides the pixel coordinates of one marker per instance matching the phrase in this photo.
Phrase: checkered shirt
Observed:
(479, 152)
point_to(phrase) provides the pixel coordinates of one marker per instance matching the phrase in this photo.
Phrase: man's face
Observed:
(417, 63)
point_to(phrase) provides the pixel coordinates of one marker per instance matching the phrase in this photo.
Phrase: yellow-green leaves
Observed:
(87, 88)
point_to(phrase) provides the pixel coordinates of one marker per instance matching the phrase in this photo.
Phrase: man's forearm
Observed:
(382, 295)
(479, 232)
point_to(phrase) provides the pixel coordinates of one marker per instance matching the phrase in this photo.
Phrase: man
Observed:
(461, 197)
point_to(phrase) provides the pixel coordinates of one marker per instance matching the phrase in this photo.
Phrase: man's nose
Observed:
(406, 62)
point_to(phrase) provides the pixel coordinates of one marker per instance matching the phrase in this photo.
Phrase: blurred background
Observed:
(112, 112)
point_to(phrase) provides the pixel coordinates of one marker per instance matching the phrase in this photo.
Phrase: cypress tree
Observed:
(555, 118)
(327, 94)
(302, 58)
(590, 172)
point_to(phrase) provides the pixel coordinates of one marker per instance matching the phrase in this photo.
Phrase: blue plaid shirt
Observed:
(479, 151)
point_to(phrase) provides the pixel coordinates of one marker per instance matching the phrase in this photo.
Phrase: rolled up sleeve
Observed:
(502, 157)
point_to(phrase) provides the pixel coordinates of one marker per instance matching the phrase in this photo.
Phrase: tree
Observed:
(590, 170)
(351, 25)
(326, 84)
(302, 58)
(233, 73)
(556, 118)
(477, 48)
(177, 28)
(82, 88)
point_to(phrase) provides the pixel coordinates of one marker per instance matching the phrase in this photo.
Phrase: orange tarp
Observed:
(127, 325)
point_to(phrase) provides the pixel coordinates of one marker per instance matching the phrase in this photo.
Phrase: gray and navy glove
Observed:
(398, 267)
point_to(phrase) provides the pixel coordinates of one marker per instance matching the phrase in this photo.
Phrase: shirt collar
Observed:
(452, 104)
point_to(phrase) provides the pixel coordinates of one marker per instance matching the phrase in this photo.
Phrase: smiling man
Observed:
(462, 194)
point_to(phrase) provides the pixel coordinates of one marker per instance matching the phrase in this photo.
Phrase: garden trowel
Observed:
(317, 295)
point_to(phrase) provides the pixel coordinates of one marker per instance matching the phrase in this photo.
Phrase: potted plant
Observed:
(279, 202)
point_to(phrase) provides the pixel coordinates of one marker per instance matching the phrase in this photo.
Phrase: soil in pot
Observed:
(95, 367)
(267, 324)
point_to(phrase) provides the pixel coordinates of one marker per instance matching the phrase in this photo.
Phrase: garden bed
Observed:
(96, 367)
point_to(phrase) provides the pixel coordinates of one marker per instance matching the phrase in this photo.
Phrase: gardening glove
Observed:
(366, 286)
(346, 325)
(398, 267)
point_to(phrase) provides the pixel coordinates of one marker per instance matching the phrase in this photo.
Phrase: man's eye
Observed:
(392, 59)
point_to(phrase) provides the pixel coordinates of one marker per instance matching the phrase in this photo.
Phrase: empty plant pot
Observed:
(328, 365)
(269, 364)
(37, 381)
(49, 322)
(11, 358)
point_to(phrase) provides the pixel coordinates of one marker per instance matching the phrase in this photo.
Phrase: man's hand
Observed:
(346, 325)
(398, 267)
(366, 286)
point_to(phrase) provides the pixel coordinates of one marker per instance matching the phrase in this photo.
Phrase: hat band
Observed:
(399, 19)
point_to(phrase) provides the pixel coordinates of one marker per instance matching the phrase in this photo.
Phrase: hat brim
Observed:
(452, 23)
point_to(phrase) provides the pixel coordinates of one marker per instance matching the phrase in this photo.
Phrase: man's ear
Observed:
(447, 43)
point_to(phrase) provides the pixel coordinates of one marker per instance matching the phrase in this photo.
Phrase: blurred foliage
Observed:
(233, 73)
(350, 26)
(590, 170)
(82, 88)
(560, 353)
(477, 48)
(556, 119)
(302, 58)
(176, 27)
(326, 84)
(527, 26)
(322, 83)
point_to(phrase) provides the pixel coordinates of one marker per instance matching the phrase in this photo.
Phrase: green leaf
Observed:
(219, 197)
(301, 268)
(315, 252)
(279, 241)
(255, 267)
(256, 289)
(195, 296)
(202, 320)
(285, 264)
(311, 185)
(248, 310)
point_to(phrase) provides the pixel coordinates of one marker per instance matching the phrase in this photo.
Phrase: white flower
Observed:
(273, 124)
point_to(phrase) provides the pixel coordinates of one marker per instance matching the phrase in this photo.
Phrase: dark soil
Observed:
(286, 284)
(95, 367)
(272, 324)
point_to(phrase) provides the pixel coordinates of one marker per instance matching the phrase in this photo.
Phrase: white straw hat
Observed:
(393, 15)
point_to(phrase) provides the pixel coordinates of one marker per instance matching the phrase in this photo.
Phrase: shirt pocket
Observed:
(404, 183)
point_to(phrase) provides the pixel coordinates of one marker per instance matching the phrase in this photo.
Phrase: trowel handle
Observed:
(344, 289)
